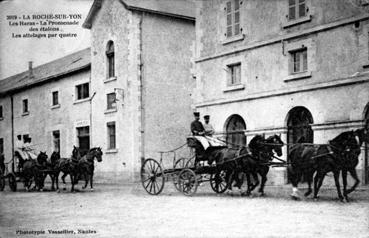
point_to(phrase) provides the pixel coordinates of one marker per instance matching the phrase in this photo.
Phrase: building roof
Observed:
(46, 72)
(184, 9)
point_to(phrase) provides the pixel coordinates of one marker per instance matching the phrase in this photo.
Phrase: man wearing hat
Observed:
(197, 128)
(209, 129)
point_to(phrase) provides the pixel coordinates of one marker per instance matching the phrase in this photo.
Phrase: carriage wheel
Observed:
(187, 182)
(2, 180)
(218, 182)
(12, 182)
(152, 177)
(179, 164)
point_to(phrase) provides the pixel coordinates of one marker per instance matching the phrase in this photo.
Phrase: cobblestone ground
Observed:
(127, 211)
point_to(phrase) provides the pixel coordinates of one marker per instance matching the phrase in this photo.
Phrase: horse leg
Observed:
(249, 184)
(72, 178)
(309, 181)
(344, 181)
(91, 181)
(57, 180)
(257, 182)
(357, 181)
(263, 180)
(336, 175)
(63, 179)
(295, 177)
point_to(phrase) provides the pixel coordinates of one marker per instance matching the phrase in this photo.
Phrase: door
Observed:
(366, 146)
(235, 129)
(83, 134)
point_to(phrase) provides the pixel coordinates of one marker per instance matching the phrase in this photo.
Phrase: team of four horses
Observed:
(227, 165)
(77, 167)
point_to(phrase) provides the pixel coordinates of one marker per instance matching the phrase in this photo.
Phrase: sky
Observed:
(15, 53)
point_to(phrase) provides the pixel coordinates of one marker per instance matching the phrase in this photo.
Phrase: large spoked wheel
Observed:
(2, 180)
(152, 177)
(187, 182)
(218, 182)
(12, 182)
(179, 164)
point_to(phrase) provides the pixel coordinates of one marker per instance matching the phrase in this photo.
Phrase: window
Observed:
(299, 61)
(111, 101)
(111, 135)
(1, 112)
(83, 134)
(1, 146)
(234, 76)
(82, 91)
(25, 106)
(55, 98)
(296, 9)
(110, 59)
(233, 18)
(56, 140)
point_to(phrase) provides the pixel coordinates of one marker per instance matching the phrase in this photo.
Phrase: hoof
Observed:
(41, 190)
(245, 194)
(295, 197)
(64, 189)
(261, 194)
(91, 189)
(58, 191)
(307, 193)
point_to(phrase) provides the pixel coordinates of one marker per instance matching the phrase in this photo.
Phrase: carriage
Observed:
(15, 174)
(187, 173)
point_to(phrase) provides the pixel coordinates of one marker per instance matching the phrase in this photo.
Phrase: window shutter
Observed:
(292, 11)
(304, 60)
(229, 18)
(236, 17)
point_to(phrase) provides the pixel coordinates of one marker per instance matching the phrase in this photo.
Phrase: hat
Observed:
(196, 114)
(206, 117)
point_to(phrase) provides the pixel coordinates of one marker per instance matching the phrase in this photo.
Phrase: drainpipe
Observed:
(12, 122)
(142, 100)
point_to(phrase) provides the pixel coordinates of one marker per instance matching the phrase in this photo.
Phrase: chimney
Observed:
(30, 69)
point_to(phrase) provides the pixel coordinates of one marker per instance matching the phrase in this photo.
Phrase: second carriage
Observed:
(186, 173)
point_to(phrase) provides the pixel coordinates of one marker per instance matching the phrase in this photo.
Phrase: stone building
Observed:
(141, 55)
(295, 67)
(49, 104)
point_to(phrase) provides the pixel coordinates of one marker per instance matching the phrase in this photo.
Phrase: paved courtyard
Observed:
(127, 211)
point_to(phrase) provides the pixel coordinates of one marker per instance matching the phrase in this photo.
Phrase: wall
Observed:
(168, 83)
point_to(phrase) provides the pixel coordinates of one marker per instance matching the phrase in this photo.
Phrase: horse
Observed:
(51, 168)
(32, 169)
(87, 165)
(341, 154)
(257, 161)
(69, 166)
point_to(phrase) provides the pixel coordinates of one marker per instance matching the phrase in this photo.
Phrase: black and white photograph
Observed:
(184, 118)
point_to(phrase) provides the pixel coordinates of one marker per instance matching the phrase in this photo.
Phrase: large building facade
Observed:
(289, 67)
(46, 103)
(141, 55)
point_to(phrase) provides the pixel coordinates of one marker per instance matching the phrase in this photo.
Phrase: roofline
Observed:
(98, 3)
(45, 80)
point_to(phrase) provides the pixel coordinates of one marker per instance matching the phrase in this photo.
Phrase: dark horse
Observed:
(258, 161)
(341, 154)
(51, 168)
(87, 165)
(32, 170)
(69, 166)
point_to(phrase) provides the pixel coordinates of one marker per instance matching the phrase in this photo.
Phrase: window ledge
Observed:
(298, 76)
(297, 21)
(233, 39)
(25, 113)
(107, 111)
(110, 79)
(82, 100)
(55, 106)
(111, 151)
(231, 88)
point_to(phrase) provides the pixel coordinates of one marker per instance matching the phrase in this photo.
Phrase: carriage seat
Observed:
(205, 141)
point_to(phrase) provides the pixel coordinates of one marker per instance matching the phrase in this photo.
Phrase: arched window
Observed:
(235, 131)
(299, 126)
(110, 59)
